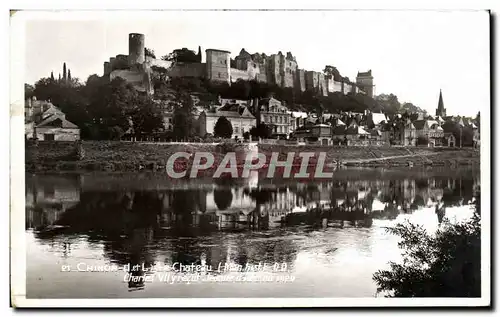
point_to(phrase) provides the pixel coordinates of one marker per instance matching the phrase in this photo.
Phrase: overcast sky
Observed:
(412, 54)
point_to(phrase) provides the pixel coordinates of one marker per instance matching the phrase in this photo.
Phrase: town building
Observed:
(273, 113)
(429, 133)
(46, 122)
(242, 120)
(320, 133)
(297, 119)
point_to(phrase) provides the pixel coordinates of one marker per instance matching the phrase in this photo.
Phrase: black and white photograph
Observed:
(249, 158)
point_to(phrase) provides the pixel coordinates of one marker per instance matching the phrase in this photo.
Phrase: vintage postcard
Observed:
(250, 158)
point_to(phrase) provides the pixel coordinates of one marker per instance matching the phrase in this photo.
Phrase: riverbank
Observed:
(135, 156)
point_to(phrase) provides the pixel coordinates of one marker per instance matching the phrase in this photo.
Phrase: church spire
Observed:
(441, 111)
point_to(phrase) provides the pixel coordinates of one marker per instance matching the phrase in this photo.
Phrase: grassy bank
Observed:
(128, 156)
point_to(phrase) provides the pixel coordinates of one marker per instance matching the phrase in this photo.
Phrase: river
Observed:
(143, 235)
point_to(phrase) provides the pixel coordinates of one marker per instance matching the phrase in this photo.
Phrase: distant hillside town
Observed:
(251, 97)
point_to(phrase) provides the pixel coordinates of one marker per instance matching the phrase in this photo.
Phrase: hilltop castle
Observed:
(278, 69)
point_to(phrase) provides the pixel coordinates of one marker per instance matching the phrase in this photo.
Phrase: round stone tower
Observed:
(136, 49)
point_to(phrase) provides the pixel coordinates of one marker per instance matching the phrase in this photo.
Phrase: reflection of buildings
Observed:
(187, 224)
(48, 197)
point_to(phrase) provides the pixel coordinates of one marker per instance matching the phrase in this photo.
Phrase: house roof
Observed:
(339, 130)
(338, 122)
(356, 130)
(378, 118)
(242, 112)
(299, 114)
(64, 123)
(321, 125)
(52, 110)
(419, 124)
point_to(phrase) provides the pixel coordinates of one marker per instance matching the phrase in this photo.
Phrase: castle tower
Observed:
(112, 64)
(218, 65)
(365, 82)
(441, 111)
(107, 68)
(136, 47)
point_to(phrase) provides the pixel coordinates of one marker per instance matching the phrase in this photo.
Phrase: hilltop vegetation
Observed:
(295, 100)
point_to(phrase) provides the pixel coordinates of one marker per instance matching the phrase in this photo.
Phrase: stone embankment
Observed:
(136, 156)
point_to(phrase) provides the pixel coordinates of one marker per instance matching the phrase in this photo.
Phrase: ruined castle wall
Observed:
(262, 77)
(120, 62)
(289, 69)
(240, 74)
(138, 79)
(322, 85)
(312, 82)
(349, 88)
(253, 69)
(337, 86)
(196, 70)
(218, 65)
(158, 62)
(274, 74)
(300, 80)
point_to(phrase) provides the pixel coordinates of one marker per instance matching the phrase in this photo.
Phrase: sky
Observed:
(412, 54)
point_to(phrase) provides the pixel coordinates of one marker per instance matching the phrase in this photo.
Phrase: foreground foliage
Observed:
(445, 264)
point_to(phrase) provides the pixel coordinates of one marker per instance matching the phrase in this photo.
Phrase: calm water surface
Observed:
(322, 239)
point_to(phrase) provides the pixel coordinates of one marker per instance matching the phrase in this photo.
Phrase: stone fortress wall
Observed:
(279, 69)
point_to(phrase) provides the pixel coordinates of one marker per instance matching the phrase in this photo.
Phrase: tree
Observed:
(184, 125)
(223, 128)
(411, 108)
(422, 140)
(463, 135)
(246, 135)
(183, 55)
(146, 116)
(112, 104)
(332, 73)
(446, 264)
(389, 103)
(29, 91)
(261, 131)
(64, 72)
(149, 52)
(223, 198)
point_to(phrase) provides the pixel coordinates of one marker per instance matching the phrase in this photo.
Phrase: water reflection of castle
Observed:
(176, 225)
(220, 207)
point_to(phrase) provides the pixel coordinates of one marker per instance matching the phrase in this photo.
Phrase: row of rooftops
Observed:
(45, 114)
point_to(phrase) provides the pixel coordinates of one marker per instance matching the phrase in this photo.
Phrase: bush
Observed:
(447, 264)
(223, 128)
